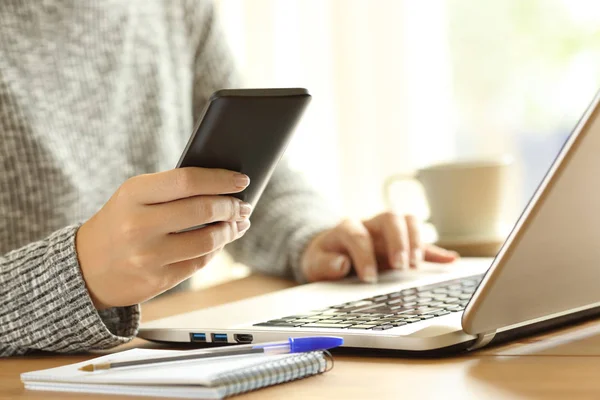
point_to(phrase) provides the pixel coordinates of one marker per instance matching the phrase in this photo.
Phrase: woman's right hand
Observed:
(129, 251)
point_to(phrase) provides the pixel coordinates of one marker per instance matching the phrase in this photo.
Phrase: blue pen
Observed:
(292, 345)
(298, 345)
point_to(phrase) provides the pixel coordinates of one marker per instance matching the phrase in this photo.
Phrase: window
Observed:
(399, 84)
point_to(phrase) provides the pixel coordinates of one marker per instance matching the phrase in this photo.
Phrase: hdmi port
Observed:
(243, 337)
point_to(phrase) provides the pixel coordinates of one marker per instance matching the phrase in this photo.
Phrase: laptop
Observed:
(546, 274)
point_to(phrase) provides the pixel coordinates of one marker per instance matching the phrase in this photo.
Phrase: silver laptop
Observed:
(546, 274)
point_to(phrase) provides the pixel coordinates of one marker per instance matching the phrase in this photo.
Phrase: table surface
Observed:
(560, 364)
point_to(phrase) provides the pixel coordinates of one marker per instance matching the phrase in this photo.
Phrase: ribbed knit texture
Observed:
(91, 94)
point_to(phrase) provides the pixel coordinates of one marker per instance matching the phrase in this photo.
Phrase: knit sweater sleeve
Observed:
(44, 303)
(290, 212)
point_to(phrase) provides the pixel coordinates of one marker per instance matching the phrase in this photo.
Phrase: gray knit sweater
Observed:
(92, 93)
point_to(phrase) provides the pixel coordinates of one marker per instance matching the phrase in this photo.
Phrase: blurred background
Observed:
(400, 84)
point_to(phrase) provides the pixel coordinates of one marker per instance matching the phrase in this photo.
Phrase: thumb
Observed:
(325, 266)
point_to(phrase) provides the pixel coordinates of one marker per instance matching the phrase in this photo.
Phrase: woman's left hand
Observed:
(387, 241)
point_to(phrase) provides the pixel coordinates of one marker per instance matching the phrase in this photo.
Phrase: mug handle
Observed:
(389, 182)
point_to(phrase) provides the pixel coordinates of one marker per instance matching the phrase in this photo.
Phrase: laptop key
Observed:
(383, 327)
(280, 324)
(425, 300)
(379, 299)
(388, 319)
(440, 313)
(305, 320)
(362, 326)
(362, 319)
(278, 321)
(410, 312)
(330, 321)
(403, 311)
(465, 296)
(431, 310)
(426, 316)
(451, 301)
(411, 320)
(435, 304)
(324, 325)
(399, 323)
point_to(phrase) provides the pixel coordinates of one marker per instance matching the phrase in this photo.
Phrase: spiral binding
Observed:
(275, 372)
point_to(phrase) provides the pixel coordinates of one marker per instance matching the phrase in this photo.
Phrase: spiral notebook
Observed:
(214, 378)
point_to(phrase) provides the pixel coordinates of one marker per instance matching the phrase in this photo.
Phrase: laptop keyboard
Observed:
(389, 310)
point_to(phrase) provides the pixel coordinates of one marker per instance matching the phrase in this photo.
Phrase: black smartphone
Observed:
(247, 131)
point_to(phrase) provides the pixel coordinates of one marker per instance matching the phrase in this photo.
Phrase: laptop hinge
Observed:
(482, 340)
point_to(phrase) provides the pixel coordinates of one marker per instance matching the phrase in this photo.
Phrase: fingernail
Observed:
(370, 274)
(242, 226)
(416, 256)
(241, 180)
(245, 210)
(339, 263)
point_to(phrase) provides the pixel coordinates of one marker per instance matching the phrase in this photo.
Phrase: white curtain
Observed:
(380, 76)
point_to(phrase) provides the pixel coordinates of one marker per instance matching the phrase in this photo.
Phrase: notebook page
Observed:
(198, 372)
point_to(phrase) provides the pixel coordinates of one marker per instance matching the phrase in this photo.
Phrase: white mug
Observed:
(465, 198)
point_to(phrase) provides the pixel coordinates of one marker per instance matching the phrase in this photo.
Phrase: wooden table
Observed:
(562, 364)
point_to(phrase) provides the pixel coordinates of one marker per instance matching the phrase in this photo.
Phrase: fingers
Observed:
(183, 246)
(357, 242)
(193, 211)
(181, 183)
(182, 270)
(395, 235)
(438, 255)
(325, 266)
(414, 238)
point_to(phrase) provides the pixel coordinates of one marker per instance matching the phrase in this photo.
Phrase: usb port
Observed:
(219, 337)
(198, 337)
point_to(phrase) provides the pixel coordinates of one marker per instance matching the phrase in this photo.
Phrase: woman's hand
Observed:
(129, 251)
(383, 242)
